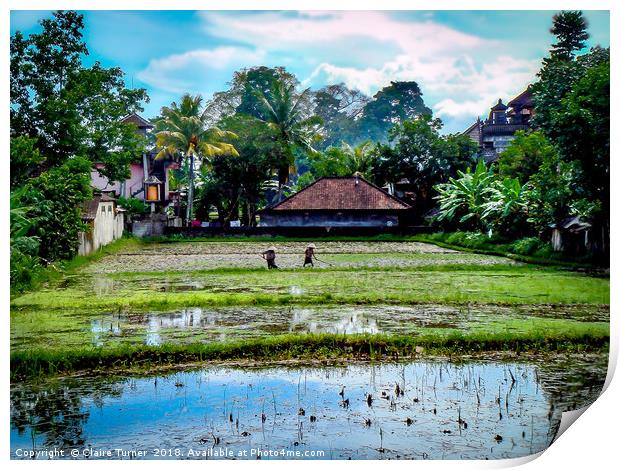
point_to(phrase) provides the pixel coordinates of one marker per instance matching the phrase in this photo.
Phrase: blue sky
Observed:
(463, 60)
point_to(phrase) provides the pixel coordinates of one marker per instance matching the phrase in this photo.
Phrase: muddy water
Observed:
(214, 324)
(442, 410)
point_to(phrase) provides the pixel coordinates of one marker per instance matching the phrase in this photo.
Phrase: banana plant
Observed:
(466, 196)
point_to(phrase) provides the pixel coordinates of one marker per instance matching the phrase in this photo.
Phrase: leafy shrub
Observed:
(24, 269)
(526, 246)
(134, 206)
(24, 261)
(468, 239)
(55, 200)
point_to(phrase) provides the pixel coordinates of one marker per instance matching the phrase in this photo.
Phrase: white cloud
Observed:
(448, 64)
(179, 73)
(461, 74)
(275, 30)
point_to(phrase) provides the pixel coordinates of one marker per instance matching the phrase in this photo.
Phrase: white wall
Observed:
(107, 227)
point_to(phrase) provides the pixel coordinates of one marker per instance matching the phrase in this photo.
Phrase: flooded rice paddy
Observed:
(197, 256)
(40, 328)
(409, 410)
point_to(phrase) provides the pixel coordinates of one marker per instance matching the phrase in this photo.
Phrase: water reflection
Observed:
(157, 327)
(398, 410)
(212, 323)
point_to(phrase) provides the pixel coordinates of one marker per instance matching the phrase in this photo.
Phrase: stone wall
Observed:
(149, 226)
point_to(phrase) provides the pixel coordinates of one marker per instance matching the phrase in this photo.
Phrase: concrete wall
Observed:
(107, 226)
(338, 219)
(152, 225)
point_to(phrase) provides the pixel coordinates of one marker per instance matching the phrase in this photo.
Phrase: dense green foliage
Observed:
(393, 104)
(561, 169)
(65, 118)
(424, 157)
(71, 109)
(481, 200)
(525, 154)
(55, 201)
(133, 206)
(25, 159)
(341, 161)
(182, 131)
(230, 184)
(572, 110)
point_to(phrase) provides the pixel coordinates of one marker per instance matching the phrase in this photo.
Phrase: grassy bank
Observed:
(528, 250)
(40, 362)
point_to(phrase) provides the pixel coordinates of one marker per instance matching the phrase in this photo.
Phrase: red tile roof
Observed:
(90, 208)
(341, 193)
(139, 121)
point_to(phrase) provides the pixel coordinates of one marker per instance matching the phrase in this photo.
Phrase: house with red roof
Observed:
(335, 201)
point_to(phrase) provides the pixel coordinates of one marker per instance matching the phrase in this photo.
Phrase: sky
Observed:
(463, 60)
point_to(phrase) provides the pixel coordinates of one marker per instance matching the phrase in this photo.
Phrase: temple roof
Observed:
(499, 106)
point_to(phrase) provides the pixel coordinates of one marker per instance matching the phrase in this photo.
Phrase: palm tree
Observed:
(287, 114)
(360, 159)
(183, 131)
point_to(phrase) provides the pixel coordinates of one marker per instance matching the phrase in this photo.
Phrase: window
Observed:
(109, 207)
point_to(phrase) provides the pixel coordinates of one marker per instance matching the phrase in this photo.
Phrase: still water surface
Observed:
(408, 410)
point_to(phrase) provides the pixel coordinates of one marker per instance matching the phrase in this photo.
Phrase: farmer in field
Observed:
(270, 256)
(309, 254)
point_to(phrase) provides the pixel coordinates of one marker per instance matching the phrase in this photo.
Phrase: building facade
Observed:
(495, 133)
(337, 202)
(140, 171)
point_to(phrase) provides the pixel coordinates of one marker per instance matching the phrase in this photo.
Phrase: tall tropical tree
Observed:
(182, 131)
(361, 158)
(289, 115)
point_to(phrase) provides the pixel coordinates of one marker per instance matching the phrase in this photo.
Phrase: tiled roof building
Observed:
(337, 201)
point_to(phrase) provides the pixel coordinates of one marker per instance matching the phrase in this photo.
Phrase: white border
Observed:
(591, 443)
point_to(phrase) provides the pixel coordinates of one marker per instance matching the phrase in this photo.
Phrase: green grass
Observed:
(262, 287)
(74, 328)
(316, 346)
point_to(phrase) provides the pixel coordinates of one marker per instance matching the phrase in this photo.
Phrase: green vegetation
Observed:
(407, 286)
(325, 346)
(39, 276)
(528, 249)
(501, 304)
(557, 170)
(182, 131)
(251, 142)
(66, 120)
